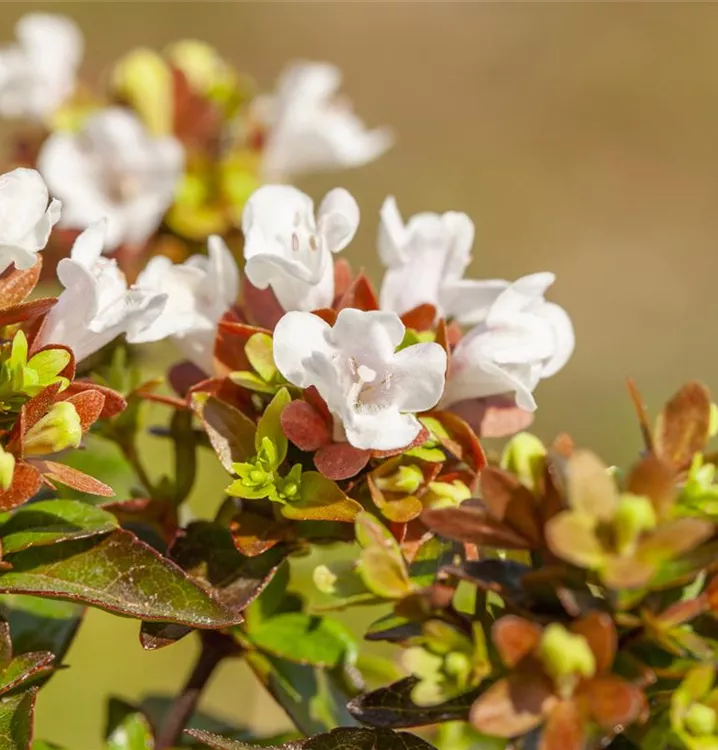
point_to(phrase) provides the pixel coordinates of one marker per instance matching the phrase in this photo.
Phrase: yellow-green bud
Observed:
(7, 468)
(144, 79)
(324, 579)
(565, 655)
(458, 666)
(524, 456)
(406, 479)
(635, 514)
(445, 494)
(713, 423)
(700, 720)
(60, 428)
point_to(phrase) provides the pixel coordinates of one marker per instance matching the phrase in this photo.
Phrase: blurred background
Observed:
(581, 138)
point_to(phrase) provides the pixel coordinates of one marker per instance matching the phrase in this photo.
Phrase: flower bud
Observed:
(445, 494)
(635, 514)
(406, 479)
(524, 456)
(566, 655)
(324, 579)
(700, 720)
(60, 428)
(7, 468)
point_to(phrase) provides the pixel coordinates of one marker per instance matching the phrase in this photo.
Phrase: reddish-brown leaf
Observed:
(509, 501)
(682, 428)
(30, 413)
(639, 407)
(340, 460)
(159, 514)
(183, 376)
(420, 318)
(565, 728)
(113, 404)
(342, 278)
(88, 405)
(442, 339)
(74, 478)
(513, 706)
(328, 315)
(598, 629)
(230, 432)
(359, 295)
(612, 701)
(15, 285)
(26, 310)
(26, 481)
(463, 436)
(496, 416)
(655, 479)
(515, 638)
(261, 305)
(305, 426)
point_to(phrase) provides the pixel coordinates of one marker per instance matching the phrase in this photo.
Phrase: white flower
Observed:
(198, 292)
(287, 249)
(371, 389)
(310, 128)
(96, 306)
(113, 168)
(426, 260)
(25, 217)
(523, 339)
(38, 72)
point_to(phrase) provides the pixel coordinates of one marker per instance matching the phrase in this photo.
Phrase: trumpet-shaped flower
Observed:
(310, 128)
(113, 168)
(198, 293)
(291, 251)
(96, 304)
(523, 339)
(38, 71)
(372, 391)
(25, 217)
(426, 259)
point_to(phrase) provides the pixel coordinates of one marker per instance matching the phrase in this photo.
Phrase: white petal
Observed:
(564, 337)
(520, 295)
(392, 234)
(54, 41)
(23, 202)
(470, 301)
(273, 210)
(388, 431)
(338, 219)
(298, 337)
(87, 248)
(486, 378)
(80, 287)
(460, 237)
(418, 374)
(223, 276)
(370, 337)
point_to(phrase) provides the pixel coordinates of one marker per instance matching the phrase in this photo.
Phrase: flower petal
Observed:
(418, 376)
(299, 337)
(372, 337)
(470, 301)
(520, 295)
(392, 234)
(223, 272)
(23, 201)
(564, 337)
(338, 219)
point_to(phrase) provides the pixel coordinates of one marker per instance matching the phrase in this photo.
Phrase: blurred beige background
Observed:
(581, 138)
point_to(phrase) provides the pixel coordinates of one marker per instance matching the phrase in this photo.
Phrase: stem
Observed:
(129, 451)
(215, 647)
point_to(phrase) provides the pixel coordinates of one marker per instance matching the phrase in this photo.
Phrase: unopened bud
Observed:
(700, 720)
(635, 514)
(524, 457)
(445, 494)
(406, 479)
(60, 428)
(324, 579)
(7, 468)
(565, 655)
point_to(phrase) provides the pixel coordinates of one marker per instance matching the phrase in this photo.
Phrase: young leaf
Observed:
(683, 426)
(119, 574)
(306, 639)
(270, 425)
(392, 706)
(16, 717)
(51, 521)
(321, 500)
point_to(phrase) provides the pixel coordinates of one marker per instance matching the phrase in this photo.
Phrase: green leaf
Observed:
(344, 738)
(40, 624)
(33, 665)
(259, 351)
(306, 639)
(381, 565)
(321, 500)
(50, 521)
(270, 601)
(127, 728)
(119, 574)
(17, 712)
(392, 706)
(270, 425)
(207, 554)
(312, 698)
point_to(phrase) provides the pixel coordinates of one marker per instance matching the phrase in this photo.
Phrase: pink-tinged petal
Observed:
(338, 219)
(297, 338)
(418, 377)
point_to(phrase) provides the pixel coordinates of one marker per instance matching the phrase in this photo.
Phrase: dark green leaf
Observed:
(312, 698)
(41, 624)
(116, 573)
(344, 738)
(33, 665)
(185, 450)
(392, 707)
(392, 628)
(127, 728)
(51, 521)
(16, 716)
(306, 639)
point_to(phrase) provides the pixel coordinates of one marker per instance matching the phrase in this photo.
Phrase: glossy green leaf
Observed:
(270, 425)
(344, 738)
(116, 573)
(321, 499)
(127, 728)
(50, 521)
(392, 706)
(25, 667)
(306, 639)
(259, 351)
(41, 624)
(17, 712)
